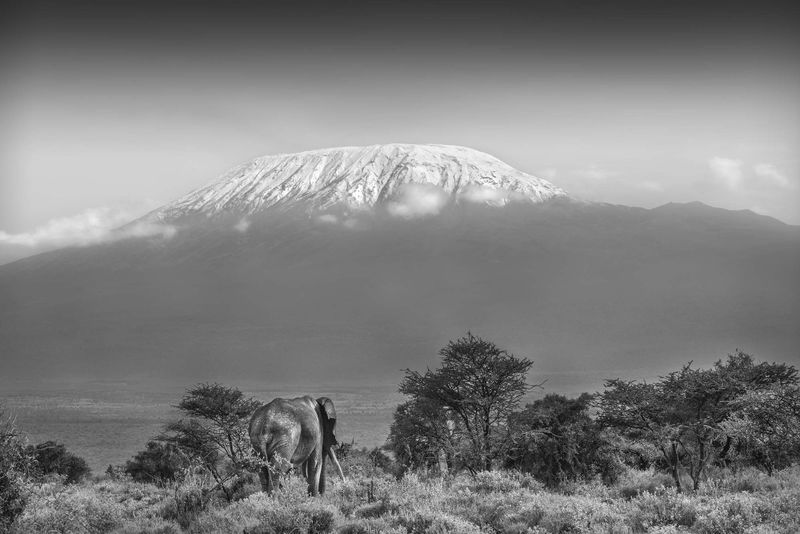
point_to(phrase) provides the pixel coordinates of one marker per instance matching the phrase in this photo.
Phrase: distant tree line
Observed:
(465, 415)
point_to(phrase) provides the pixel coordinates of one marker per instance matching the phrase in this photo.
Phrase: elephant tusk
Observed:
(332, 454)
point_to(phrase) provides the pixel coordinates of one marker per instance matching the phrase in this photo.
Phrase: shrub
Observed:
(15, 464)
(435, 522)
(634, 482)
(662, 508)
(556, 440)
(372, 526)
(54, 458)
(492, 481)
(366, 462)
(187, 502)
(376, 509)
(148, 526)
(731, 514)
(285, 511)
(158, 463)
(749, 479)
(69, 510)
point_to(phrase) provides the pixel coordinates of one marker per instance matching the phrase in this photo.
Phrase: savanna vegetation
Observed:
(706, 450)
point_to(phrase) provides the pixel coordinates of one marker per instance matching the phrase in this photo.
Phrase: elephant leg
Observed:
(265, 479)
(313, 471)
(275, 481)
(322, 475)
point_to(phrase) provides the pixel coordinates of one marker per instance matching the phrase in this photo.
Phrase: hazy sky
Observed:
(110, 109)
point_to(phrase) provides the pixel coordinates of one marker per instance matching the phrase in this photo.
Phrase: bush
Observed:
(731, 514)
(372, 526)
(69, 510)
(158, 463)
(436, 522)
(376, 509)
(15, 465)
(503, 482)
(749, 479)
(261, 514)
(496, 501)
(634, 483)
(149, 526)
(54, 458)
(187, 502)
(556, 440)
(367, 462)
(663, 508)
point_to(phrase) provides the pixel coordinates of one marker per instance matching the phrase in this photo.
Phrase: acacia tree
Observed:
(683, 413)
(555, 439)
(158, 463)
(767, 422)
(477, 387)
(421, 433)
(214, 432)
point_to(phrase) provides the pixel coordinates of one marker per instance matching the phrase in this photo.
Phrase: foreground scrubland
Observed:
(747, 501)
(714, 450)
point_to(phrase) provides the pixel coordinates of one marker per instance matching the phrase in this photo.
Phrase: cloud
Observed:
(485, 195)
(417, 200)
(242, 225)
(727, 171)
(770, 173)
(95, 225)
(142, 229)
(595, 172)
(328, 218)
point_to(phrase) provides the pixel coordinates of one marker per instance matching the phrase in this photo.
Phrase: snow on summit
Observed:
(363, 177)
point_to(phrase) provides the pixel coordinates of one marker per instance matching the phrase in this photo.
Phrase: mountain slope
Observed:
(580, 288)
(317, 267)
(358, 177)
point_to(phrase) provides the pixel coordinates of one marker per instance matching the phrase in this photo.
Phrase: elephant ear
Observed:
(327, 407)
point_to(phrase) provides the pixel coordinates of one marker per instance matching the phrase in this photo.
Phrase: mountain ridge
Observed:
(359, 177)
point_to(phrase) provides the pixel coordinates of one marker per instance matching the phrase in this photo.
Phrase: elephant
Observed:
(295, 432)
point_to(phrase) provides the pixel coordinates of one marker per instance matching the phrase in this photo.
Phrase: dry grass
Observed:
(747, 502)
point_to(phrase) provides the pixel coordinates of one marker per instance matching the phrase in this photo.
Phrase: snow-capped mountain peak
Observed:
(360, 178)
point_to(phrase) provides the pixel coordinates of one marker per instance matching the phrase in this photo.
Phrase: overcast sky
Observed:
(111, 109)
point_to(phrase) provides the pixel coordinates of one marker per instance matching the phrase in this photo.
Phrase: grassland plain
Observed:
(744, 502)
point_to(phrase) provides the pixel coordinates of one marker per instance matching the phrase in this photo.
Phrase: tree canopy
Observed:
(471, 395)
(684, 413)
(213, 432)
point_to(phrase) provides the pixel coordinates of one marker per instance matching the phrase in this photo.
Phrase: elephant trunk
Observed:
(335, 461)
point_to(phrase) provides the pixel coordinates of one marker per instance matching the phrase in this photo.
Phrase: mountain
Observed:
(374, 258)
(357, 178)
